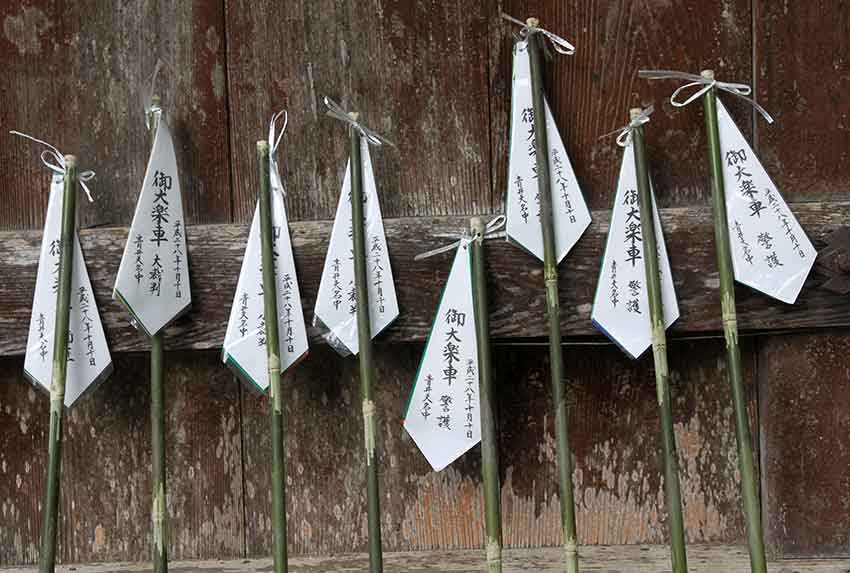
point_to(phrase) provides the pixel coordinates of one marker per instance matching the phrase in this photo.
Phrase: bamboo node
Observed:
(494, 550)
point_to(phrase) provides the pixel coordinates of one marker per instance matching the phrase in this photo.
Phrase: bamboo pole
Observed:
(159, 513)
(364, 341)
(550, 273)
(273, 354)
(489, 435)
(60, 368)
(659, 351)
(730, 330)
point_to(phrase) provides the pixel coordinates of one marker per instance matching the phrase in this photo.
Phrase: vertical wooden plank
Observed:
(803, 78)
(804, 400)
(76, 75)
(591, 92)
(414, 69)
(105, 497)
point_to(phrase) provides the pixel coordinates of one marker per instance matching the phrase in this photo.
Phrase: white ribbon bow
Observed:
(274, 141)
(491, 231)
(335, 111)
(57, 165)
(561, 45)
(738, 90)
(625, 133)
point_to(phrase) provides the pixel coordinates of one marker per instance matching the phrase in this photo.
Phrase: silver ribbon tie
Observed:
(493, 230)
(53, 159)
(335, 111)
(624, 139)
(274, 141)
(561, 45)
(738, 90)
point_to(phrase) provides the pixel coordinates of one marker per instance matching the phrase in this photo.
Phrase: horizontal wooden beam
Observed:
(517, 304)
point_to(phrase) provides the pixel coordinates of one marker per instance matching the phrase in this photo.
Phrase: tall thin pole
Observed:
(60, 368)
(659, 350)
(364, 342)
(730, 330)
(273, 354)
(159, 513)
(550, 274)
(489, 434)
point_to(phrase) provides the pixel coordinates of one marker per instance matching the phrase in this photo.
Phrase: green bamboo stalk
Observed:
(550, 273)
(60, 368)
(272, 351)
(364, 341)
(489, 434)
(659, 350)
(159, 513)
(752, 510)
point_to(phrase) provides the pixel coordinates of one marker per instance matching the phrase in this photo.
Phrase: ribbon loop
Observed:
(274, 141)
(560, 44)
(704, 84)
(493, 230)
(335, 111)
(54, 160)
(624, 137)
(147, 96)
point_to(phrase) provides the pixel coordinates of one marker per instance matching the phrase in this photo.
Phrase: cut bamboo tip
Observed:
(70, 161)
(708, 74)
(262, 147)
(476, 225)
(156, 100)
(532, 23)
(635, 112)
(355, 115)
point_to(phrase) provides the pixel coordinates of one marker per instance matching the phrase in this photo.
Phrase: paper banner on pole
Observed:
(443, 416)
(770, 251)
(245, 339)
(336, 306)
(569, 211)
(153, 278)
(89, 361)
(621, 304)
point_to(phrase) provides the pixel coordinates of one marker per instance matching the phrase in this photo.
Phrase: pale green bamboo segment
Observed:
(672, 489)
(746, 464)
(489, 427)
(270, 312)
(50, 517)
(364, 342)
(550, 273)
(159, 512)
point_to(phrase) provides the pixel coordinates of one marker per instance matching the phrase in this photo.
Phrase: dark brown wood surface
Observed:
(434, 78)
(216, 253)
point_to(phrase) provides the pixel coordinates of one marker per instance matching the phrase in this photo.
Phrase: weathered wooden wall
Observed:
(434, 77)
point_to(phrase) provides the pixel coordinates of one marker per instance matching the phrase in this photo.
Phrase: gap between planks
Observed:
(599, 559)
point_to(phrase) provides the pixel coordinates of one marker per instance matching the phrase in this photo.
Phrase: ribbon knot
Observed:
(274, 141)
(560, 44)
(493, 230)
(624, 139)
(335, 111)
(54, 160)
(705, 85)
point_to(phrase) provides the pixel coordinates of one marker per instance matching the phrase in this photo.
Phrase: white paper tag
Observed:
(770, 251)
(570, 213)
(153, 278)
(245, 340)
(443, 416)
(621, 304)
(89, 361)
(336, 306)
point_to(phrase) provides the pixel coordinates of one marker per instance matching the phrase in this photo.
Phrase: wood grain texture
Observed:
(616, 445)
(415, 71)
(617, 559)
(804, 402)
(105, 495)
(803, 78)
(592, 91)
(76, 74)
(216, 251)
